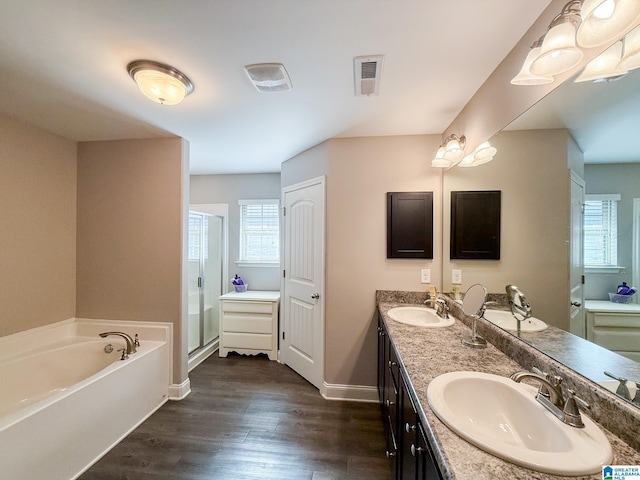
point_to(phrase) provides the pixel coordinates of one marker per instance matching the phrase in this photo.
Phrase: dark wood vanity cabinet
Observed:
(407, 446)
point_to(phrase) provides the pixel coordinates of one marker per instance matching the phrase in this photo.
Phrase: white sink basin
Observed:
(419, 316)
(503, 418)
(506, 320)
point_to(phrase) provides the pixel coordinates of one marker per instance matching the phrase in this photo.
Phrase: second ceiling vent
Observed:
(367, 72)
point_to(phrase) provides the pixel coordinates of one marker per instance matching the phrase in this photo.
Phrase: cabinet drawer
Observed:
(247, 307)
(238, 322)
(254, 341)
(627, 340)
(627, 320)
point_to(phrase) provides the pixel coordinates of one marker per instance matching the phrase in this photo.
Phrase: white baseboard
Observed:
(354, 393)
(179, 391)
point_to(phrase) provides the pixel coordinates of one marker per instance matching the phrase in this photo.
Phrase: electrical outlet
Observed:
(425, 275)
(456, 277)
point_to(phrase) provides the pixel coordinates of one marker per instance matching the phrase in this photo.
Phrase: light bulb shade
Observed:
(482, 154)
(159, 82)
(454, 148)
(484, 151)
(439, 161)
(525, 77)
(631, 51)
(558, 53)
(604, 65)
(603, 21)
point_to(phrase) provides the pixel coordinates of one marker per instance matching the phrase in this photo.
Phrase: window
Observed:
(601, 230)
(259, 232)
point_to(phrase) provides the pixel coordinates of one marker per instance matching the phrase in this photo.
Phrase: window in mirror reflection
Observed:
(601, 230)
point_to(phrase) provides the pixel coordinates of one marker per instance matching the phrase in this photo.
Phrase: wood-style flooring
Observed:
(251, 418)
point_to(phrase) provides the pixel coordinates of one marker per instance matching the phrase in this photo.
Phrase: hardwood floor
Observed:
(251, 418)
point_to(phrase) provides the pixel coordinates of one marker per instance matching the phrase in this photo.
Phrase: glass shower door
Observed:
(205, 278)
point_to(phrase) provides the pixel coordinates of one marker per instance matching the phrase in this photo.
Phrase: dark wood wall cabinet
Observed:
(410, 225)
(407, 446)
(475, 225)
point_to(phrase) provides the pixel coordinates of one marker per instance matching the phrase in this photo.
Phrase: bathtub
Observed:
(65, 402)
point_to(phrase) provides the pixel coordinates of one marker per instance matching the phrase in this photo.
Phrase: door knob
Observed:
(576, 304)
(315, 296)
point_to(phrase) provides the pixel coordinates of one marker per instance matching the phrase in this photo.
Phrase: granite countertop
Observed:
(426, 353)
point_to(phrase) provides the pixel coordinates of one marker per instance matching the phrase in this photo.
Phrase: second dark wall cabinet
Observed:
(410, 225)
(475, 225)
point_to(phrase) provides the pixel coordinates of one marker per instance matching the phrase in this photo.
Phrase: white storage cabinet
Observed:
(249, 323)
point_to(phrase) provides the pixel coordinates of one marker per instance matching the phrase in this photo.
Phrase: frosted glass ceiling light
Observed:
(631, 50)
(525, 77)
(159, 82)
(559, 52)
(605, 65)
(603, 21)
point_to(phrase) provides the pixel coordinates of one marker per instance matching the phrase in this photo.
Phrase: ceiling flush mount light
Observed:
(604, 20)
(559, 52)
(159, 82)
(606, 65)
(269, 77)
(525, 77)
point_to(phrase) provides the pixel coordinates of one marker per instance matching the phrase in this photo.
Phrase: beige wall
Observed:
(360, 172)
(531, 170)
(229, 189)
(37, 227)
(130, 233)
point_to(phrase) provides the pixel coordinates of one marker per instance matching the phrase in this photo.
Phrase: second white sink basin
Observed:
(506, 320)
(503, 418)
(419, 316)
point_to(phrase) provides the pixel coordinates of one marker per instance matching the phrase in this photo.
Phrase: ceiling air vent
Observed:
(269, 77)
(367, 72)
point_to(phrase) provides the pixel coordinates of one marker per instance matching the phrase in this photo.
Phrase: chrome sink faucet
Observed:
(551, 397)
(442, 309)
(131, 343)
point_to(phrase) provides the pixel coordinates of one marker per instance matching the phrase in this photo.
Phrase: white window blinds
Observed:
(601, 230)
(259, 231)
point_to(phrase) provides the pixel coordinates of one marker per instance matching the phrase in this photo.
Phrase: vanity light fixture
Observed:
(587, 24)
(603, 20)
(160, 82)
(451, 153)
(606, 65)
(559, 52)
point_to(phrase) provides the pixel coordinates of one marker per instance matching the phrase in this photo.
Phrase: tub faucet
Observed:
(551, 397)
(131, 346)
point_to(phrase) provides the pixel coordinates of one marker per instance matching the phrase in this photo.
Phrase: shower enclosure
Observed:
(205, 279)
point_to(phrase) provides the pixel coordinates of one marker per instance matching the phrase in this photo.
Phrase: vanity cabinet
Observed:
(249, 323)
(614, 326)
(407, 446)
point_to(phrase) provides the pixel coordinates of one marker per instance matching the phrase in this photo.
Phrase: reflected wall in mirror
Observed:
(580, 139)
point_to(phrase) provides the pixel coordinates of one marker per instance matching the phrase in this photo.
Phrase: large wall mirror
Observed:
(592, 130)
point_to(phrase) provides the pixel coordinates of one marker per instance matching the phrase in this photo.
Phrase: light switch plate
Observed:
(425, 275)
(456, 277)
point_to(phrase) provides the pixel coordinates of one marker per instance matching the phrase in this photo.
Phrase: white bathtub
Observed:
(64, 402)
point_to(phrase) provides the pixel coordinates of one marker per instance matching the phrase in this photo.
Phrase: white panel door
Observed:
(576, 259)
(302, 346)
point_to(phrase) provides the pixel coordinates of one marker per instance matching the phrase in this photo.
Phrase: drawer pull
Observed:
(409, 428)
(390, 454)
(415, 450)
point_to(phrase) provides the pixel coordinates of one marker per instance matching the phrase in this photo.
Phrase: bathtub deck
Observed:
(250, 418)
